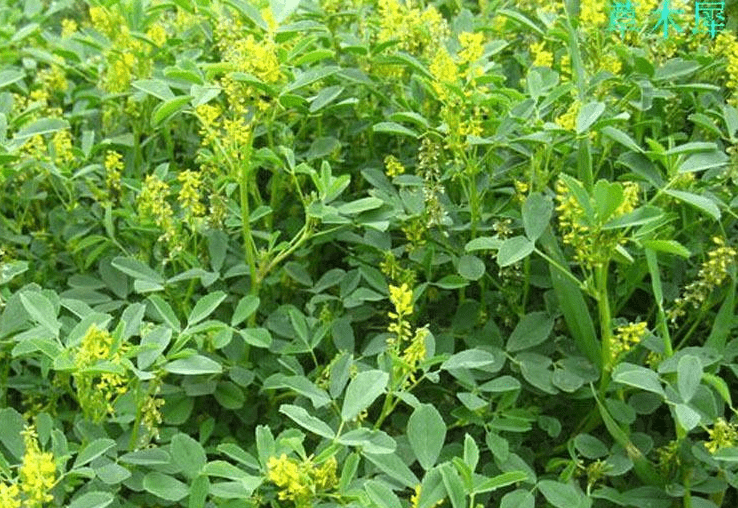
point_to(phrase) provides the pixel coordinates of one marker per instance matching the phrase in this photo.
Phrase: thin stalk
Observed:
(603, 306)
(248, 239)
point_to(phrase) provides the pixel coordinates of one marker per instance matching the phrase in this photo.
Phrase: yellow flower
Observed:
(189, 194)
(627, 336)
(444, 70)
(712, 274)
(630, 198)
(113, 167)
(472, 45)
(722, 435)
(543, 58)
(157, 33)
(591, 13)
(393, 166)
(62, 145)
(402, 298)
(568, 120)
(9, 495)
(152, 203)
(301, 481)
(37, 474)
(96, 392)
(69, 26)
(611, 63)
(414, 354)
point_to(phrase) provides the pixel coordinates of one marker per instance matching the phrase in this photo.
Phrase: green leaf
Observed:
(165, 312)
(381, 495)
(360, 205)
(362, 391)
(706, 205)
(95, 499)
(311, 76)
(471, 267)
(194, 365)
(537, 211)
(642, 215)
(188, 455)
(199, 490)
(304, 419)
(588, 114)
(392, 465)
(325, 97)
(41, 127)
(589, 446)
(167, 109)
(155, 88)
(41, 310)
(483, 243)
(727, 454)
(229, 395)
(454, 485)
(621, 137)
(301, 385)
(471, 452)
(165, 486)
(518, 499)
(669, 246)
(561, 495)
(223, 469)
(157, 341)
(258, 337)
(92, 451)
(689, 375)
(501, 480)
(533, 329)
(607, 198)
(11, 269)
(513, 250)
(146, 457)
(394, 128)
(137, 270)
(469, 359)
(637, 376)
(205, 306)
(281, 9)
(426, 432)
(10, 76)
(675, 68)
(686, 416)
(371, 441)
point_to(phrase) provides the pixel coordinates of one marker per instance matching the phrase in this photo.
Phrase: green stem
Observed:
(603, 305)
(248, 239)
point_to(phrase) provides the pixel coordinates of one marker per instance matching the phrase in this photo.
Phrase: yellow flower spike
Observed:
(402, 297)
(568, 120)
(627, 336)
(472, 45)
(37, 473)
(722, 435)
(393, 166)
(9, 495)
(69, 26)
(542, 58)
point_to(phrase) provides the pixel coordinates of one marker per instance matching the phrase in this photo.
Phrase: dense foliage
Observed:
(365, 253)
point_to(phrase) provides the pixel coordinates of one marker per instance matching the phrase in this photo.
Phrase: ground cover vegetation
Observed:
(366, 253)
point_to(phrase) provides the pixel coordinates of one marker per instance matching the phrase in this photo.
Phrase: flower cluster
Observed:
(626, 337)
(723, 434)
(189, 194)
(9, 495)
(418, 31)
(113, 167)
(392, 269)
(37, 474)
(592, 244)
(401, 297)
(726, 44)
(127, 57)
(301, 481)
(152, 203)
(393, 166)
(542, 58)
(96, 392)
(712, 274)
(414, 354)
(591, 14)
(568, 120)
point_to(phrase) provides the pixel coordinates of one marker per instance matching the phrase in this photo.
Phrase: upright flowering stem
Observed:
(248, 240)
(603, 305)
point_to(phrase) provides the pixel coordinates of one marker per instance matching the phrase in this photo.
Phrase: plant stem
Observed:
(603, 305)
